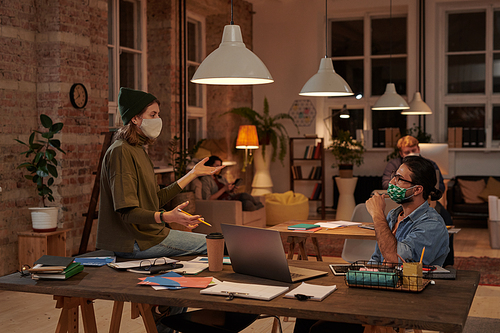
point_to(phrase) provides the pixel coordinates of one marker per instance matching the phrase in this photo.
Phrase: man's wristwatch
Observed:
(161, 215)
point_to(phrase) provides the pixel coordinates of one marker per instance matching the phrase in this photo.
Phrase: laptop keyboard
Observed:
(296, 275)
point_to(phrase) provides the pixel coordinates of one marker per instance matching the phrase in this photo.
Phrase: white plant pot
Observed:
(262, 182)
(44, 219)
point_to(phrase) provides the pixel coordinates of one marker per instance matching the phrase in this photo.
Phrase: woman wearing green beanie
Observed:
(130, 220)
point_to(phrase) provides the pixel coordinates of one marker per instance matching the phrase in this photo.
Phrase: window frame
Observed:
(115, 50)
(488, 99)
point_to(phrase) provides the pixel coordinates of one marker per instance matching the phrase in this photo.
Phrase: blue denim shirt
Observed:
(423, 227)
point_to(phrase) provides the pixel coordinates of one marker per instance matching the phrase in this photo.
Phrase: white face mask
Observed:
(151, 127)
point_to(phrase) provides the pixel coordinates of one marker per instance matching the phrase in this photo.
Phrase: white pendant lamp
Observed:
(390, 100)
(232, 63)
(417, 106)
(326, 82)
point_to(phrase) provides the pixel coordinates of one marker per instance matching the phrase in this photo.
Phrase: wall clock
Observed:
(78, 95)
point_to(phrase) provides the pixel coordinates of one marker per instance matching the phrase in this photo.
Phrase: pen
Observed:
(180, 210)
(400, 257)
(233, 293)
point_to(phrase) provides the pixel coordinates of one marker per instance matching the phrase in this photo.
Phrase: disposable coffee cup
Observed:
(215, 250)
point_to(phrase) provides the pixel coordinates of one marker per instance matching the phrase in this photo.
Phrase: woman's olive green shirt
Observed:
(129, 198)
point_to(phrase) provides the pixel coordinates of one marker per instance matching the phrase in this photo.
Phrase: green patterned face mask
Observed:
(398, 194)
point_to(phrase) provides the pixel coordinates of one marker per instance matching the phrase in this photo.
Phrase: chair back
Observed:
(360, 214)
(359, 249)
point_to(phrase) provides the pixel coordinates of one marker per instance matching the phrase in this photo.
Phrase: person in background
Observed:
(407, 145)
(405, 231)
(131, 221)
(216, 187)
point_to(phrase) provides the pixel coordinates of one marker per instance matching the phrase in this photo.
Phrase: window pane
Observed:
(496, 30)
(127, 20)
(383, 30)
(128, 70)
(466, 32)
(352, 71)
(496, 123)
(382, 119)
(194, 133)
(193, 88)
(111, 76)
(111, 24)
(347, 124)
(471, 119)
(347, 38)
(192, 41)
(496, 72)
(388, 71)
(466, 74)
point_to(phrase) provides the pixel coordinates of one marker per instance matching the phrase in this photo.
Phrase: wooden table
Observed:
(298, 237)
(441, 307)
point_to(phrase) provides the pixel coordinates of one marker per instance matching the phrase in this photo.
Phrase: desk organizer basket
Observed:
(386, 276)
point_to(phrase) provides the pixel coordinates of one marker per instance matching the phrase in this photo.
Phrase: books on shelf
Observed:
(296, 172)
(73, 269)
(316, 193)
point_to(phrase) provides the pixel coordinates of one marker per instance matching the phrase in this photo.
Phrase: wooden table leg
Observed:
(88, 315)
(116, 317)
(68, 320)
(301, 241)
(316, 248)
(147, 317)
(291, 250)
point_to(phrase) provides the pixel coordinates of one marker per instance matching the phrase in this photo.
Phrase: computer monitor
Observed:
(436, 152)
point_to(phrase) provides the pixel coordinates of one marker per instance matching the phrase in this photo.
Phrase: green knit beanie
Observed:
(131, 102)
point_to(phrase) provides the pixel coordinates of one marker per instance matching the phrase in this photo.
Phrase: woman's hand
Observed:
(178, 216)
(200, 169)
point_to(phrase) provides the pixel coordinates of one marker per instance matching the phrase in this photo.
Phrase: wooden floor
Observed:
(23, 312)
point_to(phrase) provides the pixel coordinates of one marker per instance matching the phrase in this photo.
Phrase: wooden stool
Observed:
(32, 245)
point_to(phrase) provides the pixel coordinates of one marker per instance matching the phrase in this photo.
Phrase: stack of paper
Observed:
(245, 290)
(337, 224)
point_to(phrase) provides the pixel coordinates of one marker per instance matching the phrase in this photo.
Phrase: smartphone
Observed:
(339, 269)
(238, 182)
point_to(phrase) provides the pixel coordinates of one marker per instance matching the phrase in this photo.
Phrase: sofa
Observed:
(217, 212)
(467, 196)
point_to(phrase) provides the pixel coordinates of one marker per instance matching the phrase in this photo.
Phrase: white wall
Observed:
(288, 35)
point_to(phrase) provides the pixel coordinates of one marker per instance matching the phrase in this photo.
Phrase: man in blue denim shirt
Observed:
(414, 224)
(406, 231)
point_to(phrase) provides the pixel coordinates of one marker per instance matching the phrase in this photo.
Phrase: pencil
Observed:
(400, 257)
(422, 256)
(180, 210)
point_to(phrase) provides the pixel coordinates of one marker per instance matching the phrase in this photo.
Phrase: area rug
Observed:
(488, 267)
(481, 325)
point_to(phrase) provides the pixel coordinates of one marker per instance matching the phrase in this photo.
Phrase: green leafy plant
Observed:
(416, 132)
(346, 150)
(269, 129)
(43, 165)
(180, 159)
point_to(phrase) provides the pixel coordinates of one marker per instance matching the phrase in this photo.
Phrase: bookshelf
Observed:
(307, 165)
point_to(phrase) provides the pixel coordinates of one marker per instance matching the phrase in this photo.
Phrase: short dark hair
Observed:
(212, 159)
(423, 173)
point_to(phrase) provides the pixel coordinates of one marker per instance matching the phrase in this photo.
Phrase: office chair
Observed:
(213, 321)
(359, 249)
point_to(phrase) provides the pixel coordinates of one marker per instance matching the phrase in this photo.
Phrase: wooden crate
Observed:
(32, 245)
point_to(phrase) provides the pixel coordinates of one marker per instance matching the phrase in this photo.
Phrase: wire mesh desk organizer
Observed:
(387, 276)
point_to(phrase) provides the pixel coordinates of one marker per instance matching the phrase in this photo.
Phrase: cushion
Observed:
(492, 188)
(471, 189)
(282, 207)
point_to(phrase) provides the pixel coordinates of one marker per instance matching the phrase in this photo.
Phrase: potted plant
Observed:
(42, 168)
(269, 129)
(347, 152)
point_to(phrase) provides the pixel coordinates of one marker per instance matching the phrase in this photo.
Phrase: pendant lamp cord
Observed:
(232, 22)
(326, 28)
(390, 43)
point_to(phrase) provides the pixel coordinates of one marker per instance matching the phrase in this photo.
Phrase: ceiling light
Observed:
(326, 82)
(417, 106)
(232, 63)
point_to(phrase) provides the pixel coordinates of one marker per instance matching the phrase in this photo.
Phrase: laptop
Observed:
(259, 252)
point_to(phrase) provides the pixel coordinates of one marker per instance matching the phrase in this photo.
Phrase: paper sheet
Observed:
(245, 290)
(316, 292)
(337, 224)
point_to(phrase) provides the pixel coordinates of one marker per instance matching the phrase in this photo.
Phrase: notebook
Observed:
(259, 252)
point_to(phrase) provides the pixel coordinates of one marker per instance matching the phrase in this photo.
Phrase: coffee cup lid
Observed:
(215, 235)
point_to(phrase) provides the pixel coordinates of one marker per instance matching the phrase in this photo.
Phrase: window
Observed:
(126, 51)
(351, 124)
(368, 53)
(196, 93)
(470, 77)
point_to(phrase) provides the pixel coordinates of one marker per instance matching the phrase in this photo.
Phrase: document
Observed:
(311, 291)
(245, 290)
(95, 261)
(169, 280)
(141, 263)
(337, 224)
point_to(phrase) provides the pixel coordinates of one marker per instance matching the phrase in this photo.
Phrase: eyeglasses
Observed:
(400, 178)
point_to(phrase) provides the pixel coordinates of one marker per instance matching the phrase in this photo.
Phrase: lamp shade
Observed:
(232, 63)
(417, 106)
(390, 100)
(247, 137)
(326, 82)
